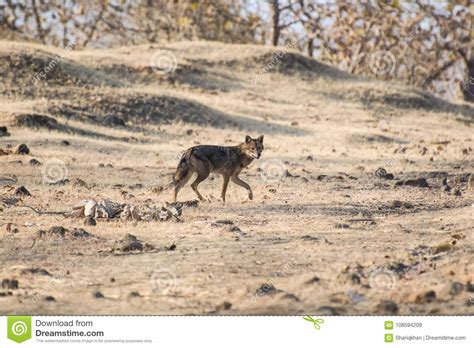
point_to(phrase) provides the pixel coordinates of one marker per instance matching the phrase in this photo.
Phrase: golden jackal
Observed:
(226, 160)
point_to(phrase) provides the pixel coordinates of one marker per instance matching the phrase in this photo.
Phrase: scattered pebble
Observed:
(11, 284)
(90, 221)
(34, 162)
(401, 204)
(98, 294)
(21, 149)
(4, 132)
(456, 288)
(426, 297)
(22, 191)
(387, 307)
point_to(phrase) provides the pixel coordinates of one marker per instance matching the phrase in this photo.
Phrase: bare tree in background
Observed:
(430, 42)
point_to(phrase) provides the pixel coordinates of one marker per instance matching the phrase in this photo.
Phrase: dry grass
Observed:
(293, 235)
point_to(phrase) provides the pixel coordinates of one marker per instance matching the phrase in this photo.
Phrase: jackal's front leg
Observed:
(240, 182)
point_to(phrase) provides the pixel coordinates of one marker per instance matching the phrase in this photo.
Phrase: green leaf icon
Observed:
(19, 329)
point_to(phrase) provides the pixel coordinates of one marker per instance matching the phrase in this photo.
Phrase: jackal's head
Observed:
(253, 147)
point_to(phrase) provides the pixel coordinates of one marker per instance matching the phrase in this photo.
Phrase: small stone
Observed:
(4, 132)
(313, 280)
(387, 307)
(401, 204)
(34, 162)
(11, 284)
(90, 221)
(22, 191)
(189, 131)
(98, 294)
(58, 230)
(426, 297)
(64, 143)
(22, 149)
(134, 294)
(456, 288)
(355, 279)
(49, 299)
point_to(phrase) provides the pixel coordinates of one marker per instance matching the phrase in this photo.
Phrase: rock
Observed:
(381, 173)
(225, 306)
(426, 297)
(456, 193)
(130, 246)
(387, 307)
(80, 233)
(313, 280)
(34, 162)
(79, 183)
(22, 191)
(189, 131)
(420, 182)
(456, 288)
(49, 299)
(172, 247)
(134, 294)
(11, 284)
(4, 132)
(267, 289)
(355, 279)
(58, 230)
(64, 143)
(21, 149)
(89, 221)
(98, 294)
(401, 204)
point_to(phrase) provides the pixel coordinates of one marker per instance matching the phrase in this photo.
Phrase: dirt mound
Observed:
(25, 71)
(289, 63)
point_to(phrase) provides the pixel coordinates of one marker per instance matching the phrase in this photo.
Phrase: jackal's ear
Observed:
(248, 139)
(260, 139)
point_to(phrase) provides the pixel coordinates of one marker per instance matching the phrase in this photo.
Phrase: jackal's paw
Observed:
(250, 195)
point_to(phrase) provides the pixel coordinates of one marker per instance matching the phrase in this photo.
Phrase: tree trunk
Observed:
(276, 21)
(468, 85)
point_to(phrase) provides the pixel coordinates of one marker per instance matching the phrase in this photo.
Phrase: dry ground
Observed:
(322, 235)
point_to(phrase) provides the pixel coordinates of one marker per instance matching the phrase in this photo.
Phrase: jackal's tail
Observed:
(183, 169)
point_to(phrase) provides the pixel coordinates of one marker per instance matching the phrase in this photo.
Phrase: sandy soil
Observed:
(323, 234)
